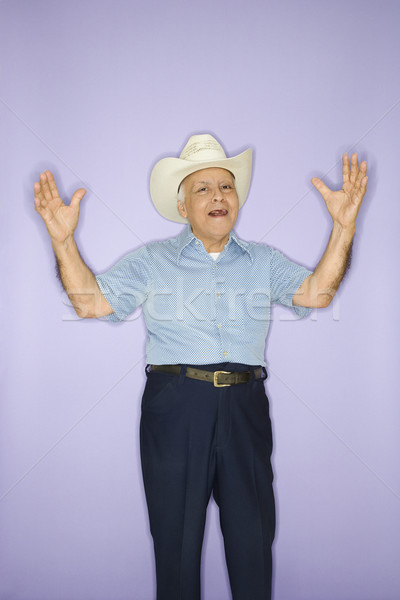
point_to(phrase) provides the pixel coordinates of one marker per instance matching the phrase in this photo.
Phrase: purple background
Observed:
(97, 91)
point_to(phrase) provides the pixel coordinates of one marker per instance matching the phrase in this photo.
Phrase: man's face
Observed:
(211, 204)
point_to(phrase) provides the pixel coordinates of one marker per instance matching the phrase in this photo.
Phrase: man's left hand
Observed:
(343, 205)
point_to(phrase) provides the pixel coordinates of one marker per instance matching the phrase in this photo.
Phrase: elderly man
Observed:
(206, 299)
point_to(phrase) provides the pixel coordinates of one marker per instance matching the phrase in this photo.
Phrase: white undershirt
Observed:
(214, 255)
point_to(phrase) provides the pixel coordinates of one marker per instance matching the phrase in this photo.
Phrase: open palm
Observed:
(343, 205)
(60, 219)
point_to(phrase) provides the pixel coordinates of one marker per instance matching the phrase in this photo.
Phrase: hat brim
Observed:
(168, 173)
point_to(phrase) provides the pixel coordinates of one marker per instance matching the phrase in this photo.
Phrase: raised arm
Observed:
(61, 221)
(318, 289)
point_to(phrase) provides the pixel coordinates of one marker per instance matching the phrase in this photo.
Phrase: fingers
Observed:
(44, 184)
(346, 169)
(41, 206)
(38, 191)
(321, 187)
(43, 211)
(77, 197)
(358, 178)
(361, 186)
(351, 172)
(362, 175)
(46, 191)
(38, 206)
(40, 201)
(52, 184)
(354, 168)
(350, 168)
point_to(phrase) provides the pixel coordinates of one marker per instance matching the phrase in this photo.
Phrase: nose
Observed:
(218, 196)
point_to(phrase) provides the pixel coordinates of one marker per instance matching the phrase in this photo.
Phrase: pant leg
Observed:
(243, 491)
(178, 462)
(187, 428)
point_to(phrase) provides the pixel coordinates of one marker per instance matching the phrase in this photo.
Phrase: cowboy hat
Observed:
(201, 152)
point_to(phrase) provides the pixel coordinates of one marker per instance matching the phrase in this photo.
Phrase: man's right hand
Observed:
(61, 220)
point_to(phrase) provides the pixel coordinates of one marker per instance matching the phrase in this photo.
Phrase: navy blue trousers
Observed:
(197, 439)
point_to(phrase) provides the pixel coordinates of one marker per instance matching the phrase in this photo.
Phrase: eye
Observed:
(227, 186)
(203, 189)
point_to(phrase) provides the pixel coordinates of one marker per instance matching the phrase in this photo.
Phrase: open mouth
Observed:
(221, 212)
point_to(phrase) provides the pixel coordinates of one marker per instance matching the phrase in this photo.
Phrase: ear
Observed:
(182, 209)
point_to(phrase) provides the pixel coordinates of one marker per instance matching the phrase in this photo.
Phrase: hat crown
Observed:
(200, 148)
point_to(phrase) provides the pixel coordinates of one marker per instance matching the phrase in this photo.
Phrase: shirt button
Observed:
(197, 243)
(219, 325)
(225, 353)
(218, 295)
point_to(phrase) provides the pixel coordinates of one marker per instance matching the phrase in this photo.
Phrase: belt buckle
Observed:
(216, 384)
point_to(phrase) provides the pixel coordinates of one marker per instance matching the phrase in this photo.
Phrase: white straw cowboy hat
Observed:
(201, 152)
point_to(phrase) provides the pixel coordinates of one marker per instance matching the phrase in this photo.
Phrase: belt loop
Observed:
(182, 374)
(253, 370)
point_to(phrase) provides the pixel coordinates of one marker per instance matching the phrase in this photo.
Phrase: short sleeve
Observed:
(286, 278)
(127, 284)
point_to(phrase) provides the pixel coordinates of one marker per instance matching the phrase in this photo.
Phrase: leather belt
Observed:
(218, 378)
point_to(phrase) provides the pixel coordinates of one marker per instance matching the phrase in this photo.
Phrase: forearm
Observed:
(78, 281)
(318, 290)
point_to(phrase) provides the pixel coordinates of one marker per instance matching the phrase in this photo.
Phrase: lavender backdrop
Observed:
(97, 91)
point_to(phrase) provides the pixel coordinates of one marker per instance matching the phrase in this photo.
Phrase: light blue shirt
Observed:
(199, 310)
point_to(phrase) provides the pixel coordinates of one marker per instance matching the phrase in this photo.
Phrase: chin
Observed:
(221, 228)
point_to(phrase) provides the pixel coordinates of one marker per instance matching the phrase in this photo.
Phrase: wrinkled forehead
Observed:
(209, 175)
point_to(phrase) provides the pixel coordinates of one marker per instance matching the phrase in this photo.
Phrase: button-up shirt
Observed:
(199, 310)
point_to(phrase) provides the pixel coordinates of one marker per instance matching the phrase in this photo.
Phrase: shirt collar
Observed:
(187, 237)
(243, 245)
(184, 240)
